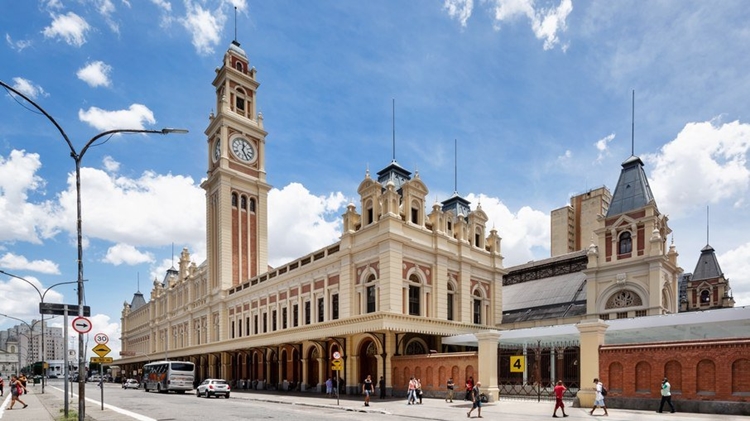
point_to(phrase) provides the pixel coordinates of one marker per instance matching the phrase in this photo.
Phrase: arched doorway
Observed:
(368, 362)
(283, 363)
(274, 368)
(313, 354)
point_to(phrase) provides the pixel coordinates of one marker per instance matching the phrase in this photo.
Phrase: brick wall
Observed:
(434, 371)
(709, 370)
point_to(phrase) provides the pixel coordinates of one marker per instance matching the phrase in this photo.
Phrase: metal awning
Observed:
(726, 323)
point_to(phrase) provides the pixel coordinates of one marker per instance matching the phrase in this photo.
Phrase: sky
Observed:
(514, 104)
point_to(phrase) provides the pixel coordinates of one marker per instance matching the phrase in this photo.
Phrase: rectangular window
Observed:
(477, 312)
(232, 329)
(414, 300)
(255, 324)
(239, 328)
(641, 313)
(371, 299)
(295, 315)
(321, 310)
(247, 326)
(265, 322)
(622, 315)
(273, 321)
(307, 313)
(335, 307)
(450, 306)
(604, 316)
(283, 318)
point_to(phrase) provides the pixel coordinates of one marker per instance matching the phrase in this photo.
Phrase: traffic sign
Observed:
(101, 338)
(63, 309)
(102, 360)
(101, 350)
(336, 355)
(337, 365)
(82, 325)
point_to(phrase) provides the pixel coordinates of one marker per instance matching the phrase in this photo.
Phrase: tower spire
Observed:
(632, 126)
(393, 127)
(708, 224)
(455, 167)
(235, 23)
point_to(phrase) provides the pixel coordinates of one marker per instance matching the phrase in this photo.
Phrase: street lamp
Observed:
(77, 157)
(41, 300)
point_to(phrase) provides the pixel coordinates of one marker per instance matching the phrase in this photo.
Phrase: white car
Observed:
(131, 384)
(213, 387)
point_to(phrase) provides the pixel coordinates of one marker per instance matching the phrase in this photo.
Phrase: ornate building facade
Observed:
(399, 279)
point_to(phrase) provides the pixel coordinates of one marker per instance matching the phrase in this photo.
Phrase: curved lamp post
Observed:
(41, 300)
(77, 157)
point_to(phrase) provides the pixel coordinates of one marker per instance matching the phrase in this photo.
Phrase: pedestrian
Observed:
(329, 387)
(381, 385)
(419, 390)
(469, 388)
(2, 385)
(16, 389)
(23, 381)
(599, 400)
(411, 391)
(449, 396)
(666, 395)
(559, 391)
(476, 401)
(367, 389)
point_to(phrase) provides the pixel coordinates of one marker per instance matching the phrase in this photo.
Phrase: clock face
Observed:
(217, 150)
(243, 149)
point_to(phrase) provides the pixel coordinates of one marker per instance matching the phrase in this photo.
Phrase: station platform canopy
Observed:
(728, 323)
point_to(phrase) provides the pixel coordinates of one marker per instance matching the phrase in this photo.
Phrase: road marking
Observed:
(117, 409)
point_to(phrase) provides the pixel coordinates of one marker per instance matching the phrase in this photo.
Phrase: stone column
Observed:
(487, 362)
(592, 337)
(304, 375)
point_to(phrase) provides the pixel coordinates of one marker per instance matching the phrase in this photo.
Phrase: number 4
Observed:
(517, 363)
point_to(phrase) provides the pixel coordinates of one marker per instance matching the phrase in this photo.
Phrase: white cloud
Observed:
(205, 27)
(28, 88)
(565, 157)
(102, 323)
(95, 74)
(71, 28)
(110, 164)
(25, 299)
(19, 219)
(12, 261)
(301, 222)
(126, 254)
(736, 266)
(17, 45)
(133, 118)
(545, 22)
(162, 4)
(706, 157)
(602, 146)
(522, 232)
(459, 9)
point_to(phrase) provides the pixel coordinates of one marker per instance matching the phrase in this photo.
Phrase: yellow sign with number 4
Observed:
(517, 364)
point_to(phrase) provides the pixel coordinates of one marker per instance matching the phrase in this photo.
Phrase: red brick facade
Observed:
(434, 371)
(709, 370)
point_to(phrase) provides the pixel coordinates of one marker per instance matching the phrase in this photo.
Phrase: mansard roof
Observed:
(394, 172)
(708, 265)
(138, 301)
(632, 191)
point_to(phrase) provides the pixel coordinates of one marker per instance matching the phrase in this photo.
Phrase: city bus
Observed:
(164, 376)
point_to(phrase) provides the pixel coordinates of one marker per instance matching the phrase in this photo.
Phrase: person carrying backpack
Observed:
(599, 400)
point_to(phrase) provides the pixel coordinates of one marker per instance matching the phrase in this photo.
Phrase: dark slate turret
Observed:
(632, 191)
(708, 265)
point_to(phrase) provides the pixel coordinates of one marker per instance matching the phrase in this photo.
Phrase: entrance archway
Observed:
(368, 362)
(313, 355)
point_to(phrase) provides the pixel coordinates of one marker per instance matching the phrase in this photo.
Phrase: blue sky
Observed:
(537, 95)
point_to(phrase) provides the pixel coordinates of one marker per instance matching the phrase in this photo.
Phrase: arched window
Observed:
(626, 243)
(371, 292)
(705, 296)
(477, 307)
(240, 100)
(451, 295)
(252, 205)
(414, 295)
(238, 65)
(243, 203)
(415, 347)
(234, 200)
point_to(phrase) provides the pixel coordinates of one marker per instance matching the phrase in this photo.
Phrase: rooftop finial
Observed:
(235, 23)
(707, 225)
(632, 127)
(393, 124)
(455, 166)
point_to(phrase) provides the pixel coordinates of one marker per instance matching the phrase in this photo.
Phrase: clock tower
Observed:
(236, 188)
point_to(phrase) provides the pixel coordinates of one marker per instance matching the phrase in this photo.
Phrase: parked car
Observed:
(131, 384)
(213, 387)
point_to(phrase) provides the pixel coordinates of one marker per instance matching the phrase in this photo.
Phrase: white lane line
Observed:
(117, 409)
(5, 403)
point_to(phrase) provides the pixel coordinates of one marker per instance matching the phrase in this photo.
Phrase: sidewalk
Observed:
(49, 406)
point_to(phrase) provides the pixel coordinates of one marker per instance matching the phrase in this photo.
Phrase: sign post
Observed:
(101, 349)
(337, 366)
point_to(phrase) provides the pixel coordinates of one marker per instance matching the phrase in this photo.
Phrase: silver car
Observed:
(213, 387)
(131, 384)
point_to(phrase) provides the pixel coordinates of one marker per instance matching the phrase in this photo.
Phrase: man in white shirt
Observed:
(666, 395)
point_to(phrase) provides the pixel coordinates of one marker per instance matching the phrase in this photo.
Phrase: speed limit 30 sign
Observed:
(101, 338)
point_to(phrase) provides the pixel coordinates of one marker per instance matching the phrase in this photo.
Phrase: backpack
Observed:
(604, 390)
